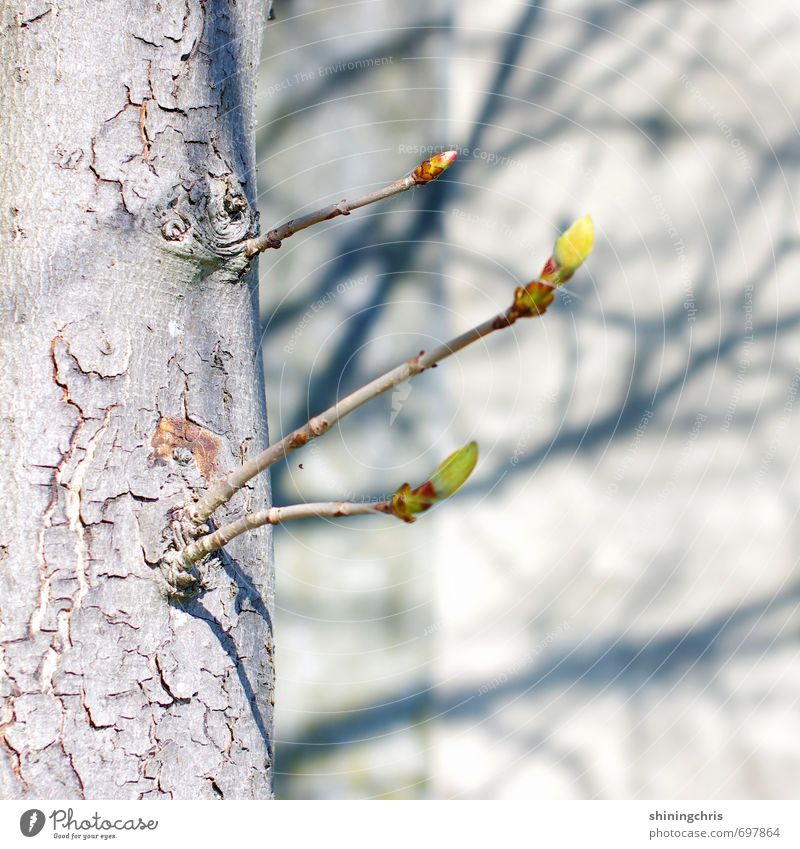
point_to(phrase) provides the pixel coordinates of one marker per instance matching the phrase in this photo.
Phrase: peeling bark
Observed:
(127, 184)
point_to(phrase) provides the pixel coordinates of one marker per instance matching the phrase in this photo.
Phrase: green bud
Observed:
(449, 476)
(572, 249)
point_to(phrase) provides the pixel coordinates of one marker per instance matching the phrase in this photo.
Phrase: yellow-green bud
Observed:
(574, 246)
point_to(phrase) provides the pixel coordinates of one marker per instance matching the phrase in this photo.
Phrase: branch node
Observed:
(318, 425)
(505, 319)
(193, 514)
(297, 440)
(181, 581)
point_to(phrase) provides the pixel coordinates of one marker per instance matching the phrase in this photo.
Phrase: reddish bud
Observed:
(432, 168)
(533, 299)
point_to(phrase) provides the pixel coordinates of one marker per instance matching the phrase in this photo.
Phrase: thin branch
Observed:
(406, 504)
(275, 516)
(570, 251)
(223, 490)
(427, 171)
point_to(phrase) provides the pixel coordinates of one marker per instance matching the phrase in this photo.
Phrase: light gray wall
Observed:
(609, 609)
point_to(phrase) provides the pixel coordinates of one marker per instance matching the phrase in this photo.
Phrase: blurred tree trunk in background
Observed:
(127, 179)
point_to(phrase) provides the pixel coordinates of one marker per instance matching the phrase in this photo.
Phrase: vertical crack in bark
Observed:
(15, 756)
(163, 680)
(45, 577)
(15, 760)
(69, 478)
(49, 666)
(64, 713)
(71, 759)
(147, 143)
(41, 558)
(74, 503)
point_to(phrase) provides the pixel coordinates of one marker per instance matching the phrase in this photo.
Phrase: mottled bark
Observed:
(129, 375)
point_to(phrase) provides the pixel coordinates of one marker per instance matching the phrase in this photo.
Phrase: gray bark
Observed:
(129, 375)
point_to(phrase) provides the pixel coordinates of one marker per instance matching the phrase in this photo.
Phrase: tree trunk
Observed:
(129, 376)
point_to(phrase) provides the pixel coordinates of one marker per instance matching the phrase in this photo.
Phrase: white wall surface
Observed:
(609, 609)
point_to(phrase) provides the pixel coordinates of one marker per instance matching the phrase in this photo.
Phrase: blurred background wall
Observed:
(610, 608)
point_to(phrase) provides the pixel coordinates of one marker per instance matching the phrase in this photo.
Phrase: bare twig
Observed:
(406, 504)
(223, 490)
(274, 516)
(427, 171)
(530, 300)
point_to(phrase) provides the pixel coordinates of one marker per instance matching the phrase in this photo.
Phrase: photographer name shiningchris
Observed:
(66, 825)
